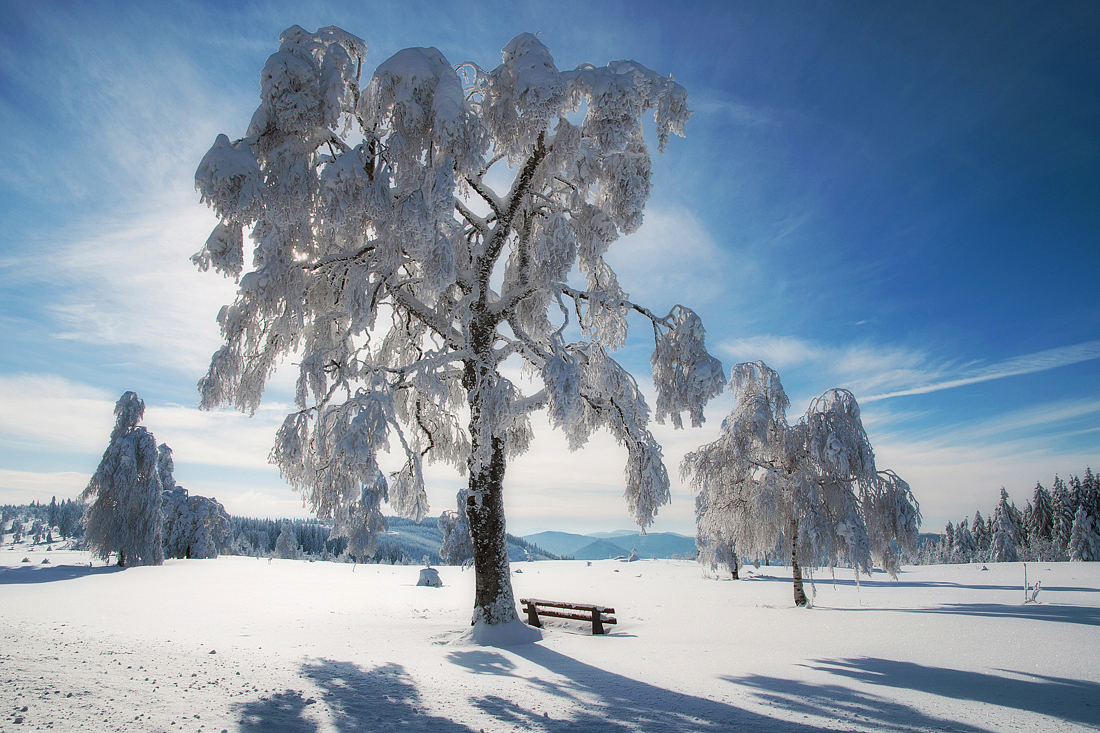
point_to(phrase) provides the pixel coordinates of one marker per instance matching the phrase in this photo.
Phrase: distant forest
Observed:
(1059, 523)
(405, 543)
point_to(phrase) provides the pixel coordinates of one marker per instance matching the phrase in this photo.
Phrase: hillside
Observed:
(601, 545)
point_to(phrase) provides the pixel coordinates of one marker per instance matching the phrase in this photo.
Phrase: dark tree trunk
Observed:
(122, 558)
(736, 565)
(494, 602)
(796, 569)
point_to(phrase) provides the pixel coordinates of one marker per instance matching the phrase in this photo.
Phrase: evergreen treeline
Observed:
(1059, 523)
(405, 543)
(43, 523)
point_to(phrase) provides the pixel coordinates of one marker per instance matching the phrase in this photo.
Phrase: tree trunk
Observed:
(796, 569)
(122, 558)
(494, 602)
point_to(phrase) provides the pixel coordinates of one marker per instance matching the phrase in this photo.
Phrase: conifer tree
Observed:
(124, 513)
(1042, 514)
(981, 536)
(1084, 539)
(1006, 533)
(965, 547)
(286, 546)
(1062, 515)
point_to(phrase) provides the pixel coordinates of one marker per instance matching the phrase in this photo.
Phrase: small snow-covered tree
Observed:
(195, 527)
(286, 546)
(717, 549)
(1006, 533)
(812, 485)
(965, 548)
(124, 514)
(458, 545)
(981, 536)
(390, 258)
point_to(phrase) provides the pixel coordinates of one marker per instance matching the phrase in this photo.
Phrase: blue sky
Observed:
(898, 198)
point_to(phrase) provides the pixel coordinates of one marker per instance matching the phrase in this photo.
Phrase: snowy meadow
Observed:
(246, 644)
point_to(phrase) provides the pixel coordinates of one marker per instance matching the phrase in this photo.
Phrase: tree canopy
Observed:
(410, 237)
(813, 484)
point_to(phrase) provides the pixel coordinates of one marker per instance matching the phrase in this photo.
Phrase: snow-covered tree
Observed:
(124, 514)
(195, 527)
(1042, 514)
(1006, 533)
(718, 549)
(458, 545)
(965, 547)
(401, 271)
(812, 485)
(1064, 512)
(1084, 538)
(286, 545)
(981, 536)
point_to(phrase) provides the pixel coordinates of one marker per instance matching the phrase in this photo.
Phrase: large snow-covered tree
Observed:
(195, 527)
(413, 236)
(124, 513)
(812, 485)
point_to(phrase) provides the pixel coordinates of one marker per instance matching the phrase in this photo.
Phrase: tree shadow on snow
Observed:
(50, 573)
(882, 580)
(1061, 698)
(349, 699)
(1087, 615)
(603, 701)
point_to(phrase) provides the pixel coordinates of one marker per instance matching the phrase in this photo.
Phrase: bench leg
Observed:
(533, 615)
(597, 623)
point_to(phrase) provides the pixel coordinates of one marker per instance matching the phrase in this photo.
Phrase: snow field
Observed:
(241, 644)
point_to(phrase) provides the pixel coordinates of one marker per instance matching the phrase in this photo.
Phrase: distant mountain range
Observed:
(605, 545)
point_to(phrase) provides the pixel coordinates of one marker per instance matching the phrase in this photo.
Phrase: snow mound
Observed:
(513, 633)
(430, 577)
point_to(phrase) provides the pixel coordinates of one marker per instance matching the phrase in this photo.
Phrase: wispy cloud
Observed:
(877, 372)
(1040, 361)
(859, 367)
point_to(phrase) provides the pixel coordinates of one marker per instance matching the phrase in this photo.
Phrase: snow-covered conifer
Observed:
(1006, 533)
(812, 486)
(965, 547)
(286, 546)
(391, 261)
(1084, 538)
(124, 514)
(1042, 514)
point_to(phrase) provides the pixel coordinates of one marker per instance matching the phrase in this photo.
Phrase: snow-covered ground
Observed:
(256, 645)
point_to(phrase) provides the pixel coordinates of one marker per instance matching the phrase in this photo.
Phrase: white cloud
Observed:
(875, 372)
(55, 414)
(1040, 361)
(23, 487)
(670, 256)
(858, 367)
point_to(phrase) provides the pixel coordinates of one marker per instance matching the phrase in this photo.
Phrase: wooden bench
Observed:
(598, 615)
